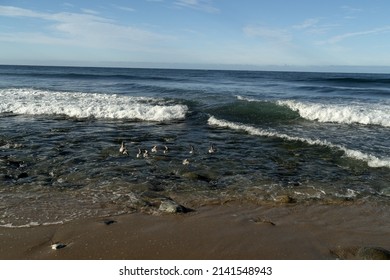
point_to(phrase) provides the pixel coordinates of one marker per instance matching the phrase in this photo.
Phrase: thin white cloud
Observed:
(339, 38)
(200, 5)
(69, 5)
(313, 26)
(89, 11)
(273, 35)
(308, 23)
(123, 8)
(10, 11)
(80, 29)
(351, 10)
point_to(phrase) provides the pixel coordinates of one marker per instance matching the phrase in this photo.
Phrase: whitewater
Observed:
(312, 137)
(88, 105)
(371, 160)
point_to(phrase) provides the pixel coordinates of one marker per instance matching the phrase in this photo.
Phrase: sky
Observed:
(217, 34)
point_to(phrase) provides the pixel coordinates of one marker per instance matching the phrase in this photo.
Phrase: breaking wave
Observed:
(371, 160)
(366, 114)
(89, 105)
(355, 113)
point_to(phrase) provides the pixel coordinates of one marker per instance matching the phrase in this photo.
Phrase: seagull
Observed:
(166, 149)
(154, 149)
(146, 154)
(123, 149)
(186, 162)
(192, 149)
(139, 153)
(212, 149)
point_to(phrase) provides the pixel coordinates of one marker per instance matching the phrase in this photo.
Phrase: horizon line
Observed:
(374, 69)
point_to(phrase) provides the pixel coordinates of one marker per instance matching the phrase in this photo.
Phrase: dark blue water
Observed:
(315, 137)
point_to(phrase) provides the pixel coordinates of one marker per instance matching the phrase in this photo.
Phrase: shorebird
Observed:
(192, 149)
(166, 149)
(212, 149)
(186, 162)
(154, 149)
(146, 154)
(139, 153)
(123, 149)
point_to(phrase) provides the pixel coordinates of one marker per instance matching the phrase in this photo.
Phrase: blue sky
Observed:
(196, 33)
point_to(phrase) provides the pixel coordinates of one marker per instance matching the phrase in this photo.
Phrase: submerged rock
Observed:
(200, 176)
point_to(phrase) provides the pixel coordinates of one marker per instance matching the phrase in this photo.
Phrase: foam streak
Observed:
(371, 160)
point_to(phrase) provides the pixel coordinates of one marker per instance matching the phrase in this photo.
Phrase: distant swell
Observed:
(371, 160)
(88, 105)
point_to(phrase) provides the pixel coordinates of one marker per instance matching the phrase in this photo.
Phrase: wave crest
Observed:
(89, 105)
(367, 114)
(371, 160)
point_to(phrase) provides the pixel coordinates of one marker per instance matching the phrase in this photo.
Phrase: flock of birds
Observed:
(145, 153)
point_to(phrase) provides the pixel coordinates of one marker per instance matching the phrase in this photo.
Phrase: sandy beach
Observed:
(228, 231)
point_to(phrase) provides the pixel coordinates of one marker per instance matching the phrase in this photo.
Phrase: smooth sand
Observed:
(231, 231)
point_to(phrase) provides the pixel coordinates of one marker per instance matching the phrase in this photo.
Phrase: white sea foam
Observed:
(28, 225)
(371, 160)
(31, 224)
(361, 113)
(240, 97)
(87, 105)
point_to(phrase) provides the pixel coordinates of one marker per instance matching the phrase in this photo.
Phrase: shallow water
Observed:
(307, 136)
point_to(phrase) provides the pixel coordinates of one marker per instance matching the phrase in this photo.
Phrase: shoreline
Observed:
(215, 232)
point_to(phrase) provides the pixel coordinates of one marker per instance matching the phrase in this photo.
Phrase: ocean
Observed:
(277, 136)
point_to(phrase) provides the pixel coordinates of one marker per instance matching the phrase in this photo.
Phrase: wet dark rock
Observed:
(361, 253)
(15, 163)
(22, 175)
(7, 177)
(201, 176)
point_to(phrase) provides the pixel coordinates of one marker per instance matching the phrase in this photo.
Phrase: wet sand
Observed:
(230, 231)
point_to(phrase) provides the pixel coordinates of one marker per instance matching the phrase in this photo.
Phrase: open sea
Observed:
(304, 137)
